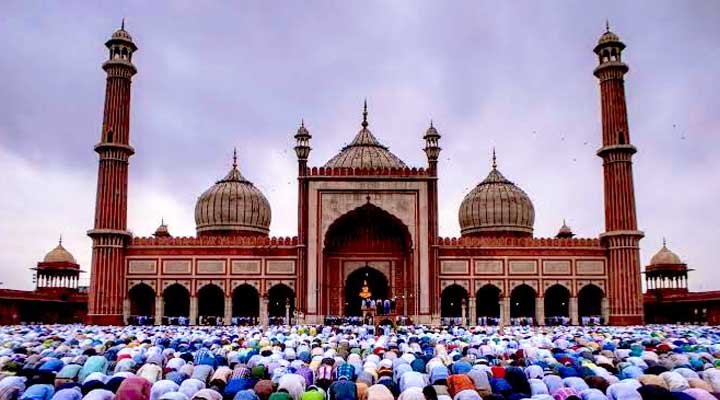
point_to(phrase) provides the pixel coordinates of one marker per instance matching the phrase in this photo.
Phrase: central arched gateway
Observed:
(366, 246)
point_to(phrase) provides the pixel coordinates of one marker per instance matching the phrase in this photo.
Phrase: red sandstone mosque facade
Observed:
(368, 223)
(365, 218)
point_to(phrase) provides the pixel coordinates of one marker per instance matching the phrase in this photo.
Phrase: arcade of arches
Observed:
(211, 304)
(523, 304)
(366, 255)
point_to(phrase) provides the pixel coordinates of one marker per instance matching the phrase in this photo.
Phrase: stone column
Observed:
(605, 307)
(126, 310)
(264, 318)
(287, 312)
(574, 317)
(472, 311)
(505, 311)
(158, 310)
(228, 310)
(193, 310)
(540, 311)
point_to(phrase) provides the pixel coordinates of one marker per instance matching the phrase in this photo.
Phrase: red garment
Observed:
(134, 388)
(459, 382)
(498, 372)
(264, 389)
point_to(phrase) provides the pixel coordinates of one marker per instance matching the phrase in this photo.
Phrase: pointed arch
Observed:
(142, 300)
(246, 302)
(367, 224)
(281, 299)
(211, 301)
(590, 299)
(452, 301)
(487, 300)
(377, 288)
(176, 301)
(557, 301)
(522, 301)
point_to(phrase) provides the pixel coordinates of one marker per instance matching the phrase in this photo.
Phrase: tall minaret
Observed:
(110, 235)
(621, 235)
(432, 151)
(302, 150)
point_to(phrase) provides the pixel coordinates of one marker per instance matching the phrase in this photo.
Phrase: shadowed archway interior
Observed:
(522, 302)
(557, 301)
(211, 301)
(368, 228)
(245, 301)
(176, 300)
(590, 301)
(452, 301)
(280, 296)
(142, 300)
(377, 288)
(488, 301)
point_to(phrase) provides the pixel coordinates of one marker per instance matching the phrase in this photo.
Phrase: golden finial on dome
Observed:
(234, 157)
(607, 25)
(494, 160)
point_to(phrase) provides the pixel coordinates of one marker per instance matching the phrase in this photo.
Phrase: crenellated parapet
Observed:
(363, 172)
(518, 242)
(214, 241)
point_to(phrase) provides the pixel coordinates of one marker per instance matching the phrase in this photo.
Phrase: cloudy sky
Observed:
(516, 76)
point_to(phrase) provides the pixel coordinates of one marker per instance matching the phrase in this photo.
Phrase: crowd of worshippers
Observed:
(380, 306)
(592, 321)
(522, 321)
(333, 320)
(74, 362)
(146, 320)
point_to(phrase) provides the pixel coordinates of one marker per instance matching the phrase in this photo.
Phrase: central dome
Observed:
(496, 207)
(233, 206)
(365, 151)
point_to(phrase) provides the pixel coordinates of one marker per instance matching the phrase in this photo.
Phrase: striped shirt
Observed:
(324, 372)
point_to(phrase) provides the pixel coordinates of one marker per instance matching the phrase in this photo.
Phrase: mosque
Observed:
(368, 229)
